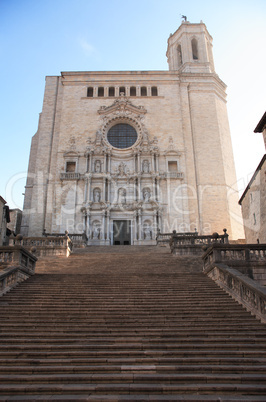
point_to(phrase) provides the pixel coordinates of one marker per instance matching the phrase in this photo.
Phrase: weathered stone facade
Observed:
(3, 221)
(176, 173)
(254, 206)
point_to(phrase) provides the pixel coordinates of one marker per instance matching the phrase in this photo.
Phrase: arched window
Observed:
(101, 91)
(122, 89)
(90, 92)
(154, 91)
(179, 56)
(133, 91)
(111, 91)
(194, 45)
(143, 91)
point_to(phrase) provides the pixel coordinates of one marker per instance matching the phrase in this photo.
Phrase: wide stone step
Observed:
(135, 397)
(131, 388)
(136, 362)
(134, 368)
(125, 377)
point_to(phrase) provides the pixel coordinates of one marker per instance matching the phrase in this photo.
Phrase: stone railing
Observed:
(45, 246)
(77, 239)
(232, 267)
(69, 176)
(164, 238)
(192, 244)
(243, 289)
(175, 175)
(16, 265)
(249, 259)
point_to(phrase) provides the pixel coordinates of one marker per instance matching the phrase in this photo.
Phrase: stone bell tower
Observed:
(190, 49)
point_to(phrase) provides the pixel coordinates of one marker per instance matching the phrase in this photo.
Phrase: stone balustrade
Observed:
(45, 246)
(77, 239)
(16, 265)
(243, 289)
(249, 259)
(191, 243)
(164, 238)
(70, 176)
(233, 268)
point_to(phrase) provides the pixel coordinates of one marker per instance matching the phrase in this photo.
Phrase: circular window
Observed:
(122, 136)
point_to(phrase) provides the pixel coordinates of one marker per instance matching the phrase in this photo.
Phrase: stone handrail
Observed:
(16, 265)
(69, 176)
(195, 239)
(234, 255)
(164, 238)
(191, 243)
(45, 246)
(244, 260)
(78, 239)
(243, 289)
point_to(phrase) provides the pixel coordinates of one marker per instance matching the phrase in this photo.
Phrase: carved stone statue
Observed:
(97, 166)
(146, 195)
(97, 195)
(96, 232)
(122, 196)
(146, 166)
(147, 233)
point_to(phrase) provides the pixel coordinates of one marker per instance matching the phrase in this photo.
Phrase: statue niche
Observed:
(146, 194)
(96, 195)
(97, 166)
(96, 230)
(145, 166)
(147, 230)
(121, 196)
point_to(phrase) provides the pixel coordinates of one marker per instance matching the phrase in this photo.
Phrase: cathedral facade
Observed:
(121, 155)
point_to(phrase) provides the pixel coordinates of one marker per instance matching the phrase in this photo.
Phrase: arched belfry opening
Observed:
(194, 47)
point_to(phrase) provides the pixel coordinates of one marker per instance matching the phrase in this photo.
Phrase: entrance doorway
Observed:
(122, 232)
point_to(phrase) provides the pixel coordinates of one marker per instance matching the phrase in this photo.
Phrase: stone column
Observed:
(108, 225)
(135, 226)
(158, 189)
(91, 167)
(154, 228)
(89, 187)
(140, 225)
(152, 163)
(104, 163)
(88, 225)
(154, 189)
(103, 226)
(86, 190)
(87, 163)
(139, 164)
(104, 189)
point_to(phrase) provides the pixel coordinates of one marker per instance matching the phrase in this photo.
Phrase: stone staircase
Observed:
(127, 323)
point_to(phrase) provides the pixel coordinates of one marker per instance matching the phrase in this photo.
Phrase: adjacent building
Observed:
(121, 154)
(4, 220)
(253, 200)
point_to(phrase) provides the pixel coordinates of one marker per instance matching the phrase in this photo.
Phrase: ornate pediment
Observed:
(122, 107)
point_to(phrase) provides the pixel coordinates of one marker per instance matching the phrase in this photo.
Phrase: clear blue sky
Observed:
(44, 37)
